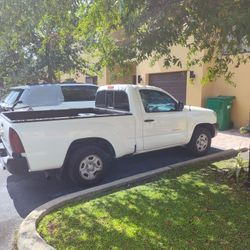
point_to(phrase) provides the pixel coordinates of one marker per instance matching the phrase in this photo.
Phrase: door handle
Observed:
(149, 120)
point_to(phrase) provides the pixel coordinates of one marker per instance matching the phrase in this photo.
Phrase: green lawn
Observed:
(197, 208)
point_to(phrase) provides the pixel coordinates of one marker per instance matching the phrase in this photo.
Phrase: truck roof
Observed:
(35, 85)
(125, 87)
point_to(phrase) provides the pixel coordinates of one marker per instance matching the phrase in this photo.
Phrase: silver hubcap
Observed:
(90, 166)
(202, 142)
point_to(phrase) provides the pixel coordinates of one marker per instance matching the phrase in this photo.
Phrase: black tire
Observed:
(200, 142)
(88, 165)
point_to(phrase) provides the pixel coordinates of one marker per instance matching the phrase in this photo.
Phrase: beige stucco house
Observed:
(193, 92)
(185, 84)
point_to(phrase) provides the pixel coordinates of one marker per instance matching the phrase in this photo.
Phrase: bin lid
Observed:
(230, 98)
(214, 99)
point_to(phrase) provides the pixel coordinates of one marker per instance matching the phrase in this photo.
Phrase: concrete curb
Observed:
(28, 238)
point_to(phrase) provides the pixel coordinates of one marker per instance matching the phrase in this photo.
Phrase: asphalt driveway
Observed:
(19, 195)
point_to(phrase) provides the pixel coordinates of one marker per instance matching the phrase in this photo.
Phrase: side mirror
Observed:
(180, 106)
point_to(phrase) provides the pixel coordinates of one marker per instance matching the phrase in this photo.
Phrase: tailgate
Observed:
(4, 132)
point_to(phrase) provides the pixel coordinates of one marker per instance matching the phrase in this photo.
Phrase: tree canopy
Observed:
(37, 40)
(41, 39)
(150, 28)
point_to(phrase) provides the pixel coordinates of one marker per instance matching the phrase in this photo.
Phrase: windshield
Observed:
(12, 96)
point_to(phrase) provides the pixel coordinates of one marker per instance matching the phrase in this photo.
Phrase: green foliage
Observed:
(37, 40)
(41, 39)
(152, 27)
(235, 170)
(245, 130)
(238, 168)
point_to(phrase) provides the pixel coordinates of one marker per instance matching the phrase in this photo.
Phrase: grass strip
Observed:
(187, 209)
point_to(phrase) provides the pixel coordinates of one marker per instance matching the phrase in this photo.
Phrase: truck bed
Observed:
(47, 115)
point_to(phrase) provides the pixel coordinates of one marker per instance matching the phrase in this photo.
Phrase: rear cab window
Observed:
(79, 93)
(112, 99)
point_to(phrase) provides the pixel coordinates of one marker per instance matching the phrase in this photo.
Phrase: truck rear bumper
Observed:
(15, 165)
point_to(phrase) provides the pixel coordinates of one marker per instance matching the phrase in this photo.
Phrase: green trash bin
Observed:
(222, 105)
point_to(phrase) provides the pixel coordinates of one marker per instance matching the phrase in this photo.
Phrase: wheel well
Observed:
(208, 126)
(100, 142)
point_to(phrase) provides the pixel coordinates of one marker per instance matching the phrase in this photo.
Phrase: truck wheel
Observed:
(88, 165)
(200, 142)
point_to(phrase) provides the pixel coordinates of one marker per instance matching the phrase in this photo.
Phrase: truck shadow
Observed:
(32, 190)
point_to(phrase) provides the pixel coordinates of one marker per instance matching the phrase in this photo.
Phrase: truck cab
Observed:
(161, 120)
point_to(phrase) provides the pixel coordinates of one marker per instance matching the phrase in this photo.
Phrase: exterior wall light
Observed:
(191, 75)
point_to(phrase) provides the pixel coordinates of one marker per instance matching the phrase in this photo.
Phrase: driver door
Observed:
(164, 125)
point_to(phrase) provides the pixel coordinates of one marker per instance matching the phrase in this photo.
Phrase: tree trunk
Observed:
(50, 73)
(50, 67)
(248, 179)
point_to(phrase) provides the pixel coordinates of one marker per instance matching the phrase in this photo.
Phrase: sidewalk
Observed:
(232, 139)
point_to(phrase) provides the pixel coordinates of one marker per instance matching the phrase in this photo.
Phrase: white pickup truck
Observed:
(127, 119)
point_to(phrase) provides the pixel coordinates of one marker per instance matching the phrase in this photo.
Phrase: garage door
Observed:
(174, 83)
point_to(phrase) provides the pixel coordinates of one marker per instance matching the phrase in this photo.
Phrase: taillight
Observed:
(15, 142)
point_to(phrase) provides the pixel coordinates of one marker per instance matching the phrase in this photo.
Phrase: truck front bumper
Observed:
(16, 165)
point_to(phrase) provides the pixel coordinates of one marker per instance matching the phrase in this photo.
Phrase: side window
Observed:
(90, 91)
(13, 96)
(112, 100)
(156, 101)
(79, 93)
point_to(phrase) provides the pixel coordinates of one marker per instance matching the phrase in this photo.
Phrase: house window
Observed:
(244, 47)
(91, 79)
(134, 79)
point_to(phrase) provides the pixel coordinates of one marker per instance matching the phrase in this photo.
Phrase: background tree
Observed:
(37, 40)
(152, 27)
